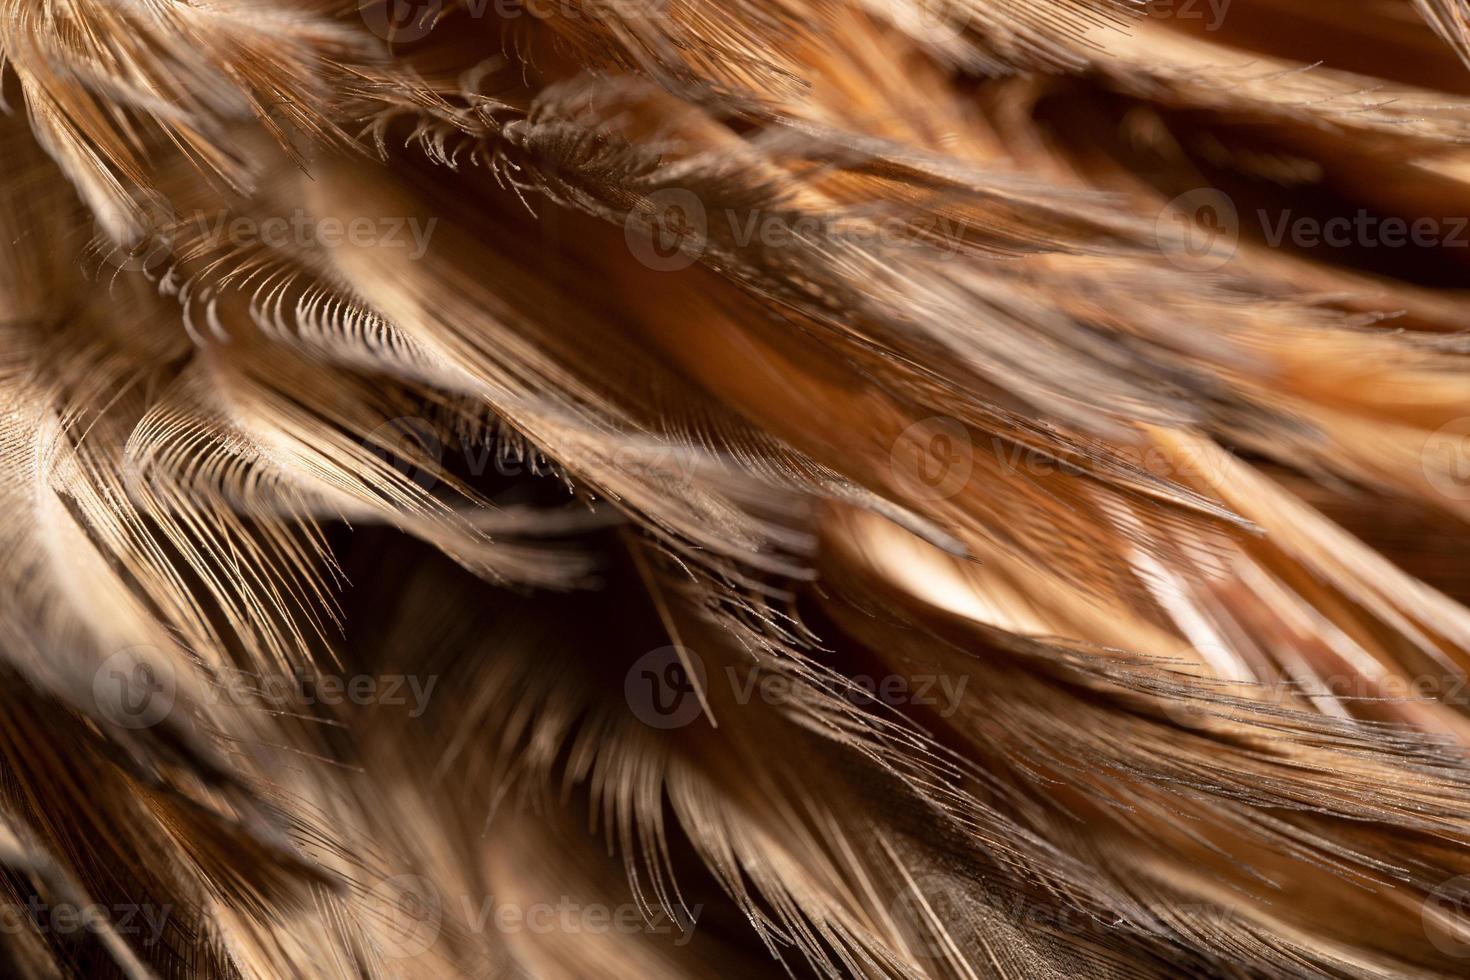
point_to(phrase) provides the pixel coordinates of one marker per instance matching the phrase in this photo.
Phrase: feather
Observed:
(877, 489)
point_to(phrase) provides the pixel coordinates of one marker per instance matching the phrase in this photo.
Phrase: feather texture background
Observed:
(570, 488)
